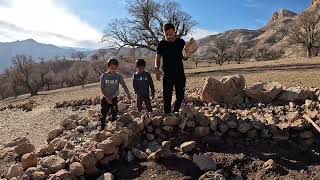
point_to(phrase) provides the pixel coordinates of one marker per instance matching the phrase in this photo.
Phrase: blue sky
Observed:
(80, 23)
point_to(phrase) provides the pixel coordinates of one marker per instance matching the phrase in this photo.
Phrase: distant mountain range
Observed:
(32, 48)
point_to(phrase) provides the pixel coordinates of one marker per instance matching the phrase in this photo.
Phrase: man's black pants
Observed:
(147, 102)
(106, 107)
(179, 84)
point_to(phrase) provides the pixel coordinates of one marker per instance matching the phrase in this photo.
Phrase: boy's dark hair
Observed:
(168, 26)
(112, 61)
(141, 63)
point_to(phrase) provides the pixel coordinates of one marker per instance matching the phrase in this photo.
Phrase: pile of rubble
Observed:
(78, 149)
(78, 103)
(28, 106)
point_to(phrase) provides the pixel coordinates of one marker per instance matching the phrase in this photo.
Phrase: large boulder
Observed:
(264, 92)
(76, 168)
(229, 90)
(296, 95)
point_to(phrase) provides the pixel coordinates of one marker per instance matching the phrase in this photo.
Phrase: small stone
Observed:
(77, 169)
(150, 137)
(214, 121)
(64, 175)
(14, 171)
(54, 133)
(83, 122)
(106, 176)
(168, 128)
(244, 127)
(130, 156)
(38, 175)
(204, 162)
(171, 121)
(308, 103)
(149, 128)
(232, 124)
(212, 175)
(139, 154)
(201, 131)
(269, 165)
(190, 124)
(306, 134)
(99, 154)
(29, 160)
(53, 163)
(187, 146)
(80, 129)
(24, 148)
(88, 160)
(223, 128)
(156, 121)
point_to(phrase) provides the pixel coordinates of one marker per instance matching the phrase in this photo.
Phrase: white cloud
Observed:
(199, 33)
(45, 21)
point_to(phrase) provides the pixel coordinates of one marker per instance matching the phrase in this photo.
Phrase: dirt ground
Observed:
(233, 156)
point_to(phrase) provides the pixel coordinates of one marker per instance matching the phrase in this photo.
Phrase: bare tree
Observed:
(94, 57)
(27, 76)
(56, 57)
(239, 52)
(13, 80)
(102, 53)
(49, 79)
(219, 51)
(80, 55)
(306, 31)
(80, 71)
(74, 56)
(261, 54)
(144, 28)
(3, 89)
(99, 67)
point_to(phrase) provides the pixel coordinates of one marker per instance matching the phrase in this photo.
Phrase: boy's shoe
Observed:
(175, 114)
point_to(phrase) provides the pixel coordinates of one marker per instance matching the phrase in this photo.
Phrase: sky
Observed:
(80, 23)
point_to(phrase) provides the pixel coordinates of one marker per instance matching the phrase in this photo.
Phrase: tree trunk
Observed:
(309, 52)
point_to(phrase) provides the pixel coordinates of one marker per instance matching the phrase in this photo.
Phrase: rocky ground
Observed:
(259, 133)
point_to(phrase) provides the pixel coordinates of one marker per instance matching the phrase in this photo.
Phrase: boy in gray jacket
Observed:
(142, 82)
(109, 82)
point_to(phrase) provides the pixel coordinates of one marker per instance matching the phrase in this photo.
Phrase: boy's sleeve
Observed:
(101, 83)
(134, 83)
(151, 84)
(124, 86)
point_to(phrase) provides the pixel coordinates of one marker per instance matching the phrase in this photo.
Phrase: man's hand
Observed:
(158, 74)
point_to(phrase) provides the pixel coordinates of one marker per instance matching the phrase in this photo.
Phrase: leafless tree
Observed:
(81, 55)
(306, 31)
(80, 72)
(239, 52)
(3, 88)
(144, 28)
(49, 79)
(102, 53)
(13, 80)
(26, 73)
(74, 56)
(56, 57)
(261, 54)
(219, 50)
(99, 67)
(94, 57)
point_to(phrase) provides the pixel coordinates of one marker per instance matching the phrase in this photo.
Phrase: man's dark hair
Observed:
(168, 26)
(141, 63)
(112, 61)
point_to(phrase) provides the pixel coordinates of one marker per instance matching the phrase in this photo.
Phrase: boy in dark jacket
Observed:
(110, 82)
(142, 83)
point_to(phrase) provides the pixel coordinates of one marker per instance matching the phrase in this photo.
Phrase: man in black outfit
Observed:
(171, 51)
